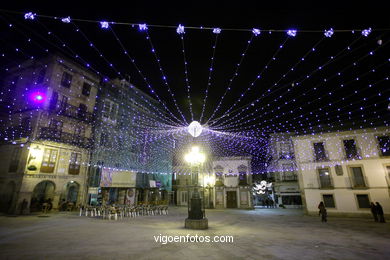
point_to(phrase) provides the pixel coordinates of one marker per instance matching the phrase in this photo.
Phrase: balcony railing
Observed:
(55, 135)
(73, 112)
(326, 183)
(359, 182)
(287, 178)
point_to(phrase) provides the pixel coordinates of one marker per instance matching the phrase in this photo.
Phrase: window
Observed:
(49, 160)
(86, 89)
(66, 80)
(328, 200)
(64, 103)
(388, 171)
(74, 165)
(82, 111)
(384, 145)
(357, 177)
(14, 162)
(319, 152)
(363, 201)
(351, 151)
(285, 151)
(53, 100)
(325, 178)
(79, 131)
(55, 129)
(339, 170)
(110, 110)
(41, 76)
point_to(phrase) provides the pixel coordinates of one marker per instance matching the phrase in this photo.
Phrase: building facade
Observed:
(47, 115)
(128, 163)
(233, 182)
(282, 170)
(346, 170)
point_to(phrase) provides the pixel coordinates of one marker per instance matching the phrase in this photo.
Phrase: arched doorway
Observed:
(72, 192)
(7, 197)
(43, 192)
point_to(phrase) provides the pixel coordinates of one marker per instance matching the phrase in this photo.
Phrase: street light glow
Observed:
(195, 156)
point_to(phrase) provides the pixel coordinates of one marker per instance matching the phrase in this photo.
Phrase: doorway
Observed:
(43, 192)
(231, 199)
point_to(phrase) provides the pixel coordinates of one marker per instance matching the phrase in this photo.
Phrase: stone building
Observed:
(282, 170)
(233, 182)
(346, 170)
(129, 164)
(46, 128)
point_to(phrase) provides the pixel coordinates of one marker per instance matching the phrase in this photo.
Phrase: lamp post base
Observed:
(196, 223)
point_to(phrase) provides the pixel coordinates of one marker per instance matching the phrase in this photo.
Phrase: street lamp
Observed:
(196, 219)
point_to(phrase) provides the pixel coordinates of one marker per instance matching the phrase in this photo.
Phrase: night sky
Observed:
(347, 87)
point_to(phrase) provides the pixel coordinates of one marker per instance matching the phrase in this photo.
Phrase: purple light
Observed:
(142, 27)
(256, 32)
(180, 29)
(37, 97)
(104, 25)
(29, 16)
(217, 30)
(66, 20)
(366, 32)
(329, 33)
(292, 33)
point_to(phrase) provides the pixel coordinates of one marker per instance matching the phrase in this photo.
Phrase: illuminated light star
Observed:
(256, 32)
(366, 32)
(142, 27)
(66, 20)
(217, 30)
(29, 16)
(104, 25)
(38, 97)
(329, 33)
(292, 33)
(195, 129)
(180, 29)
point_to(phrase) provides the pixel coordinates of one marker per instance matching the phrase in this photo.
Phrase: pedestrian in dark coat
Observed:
(380, 212)
(374, 211)
(322, 212)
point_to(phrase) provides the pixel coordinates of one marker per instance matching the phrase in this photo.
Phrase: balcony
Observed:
(359, 182)
(287, 178)
(55, 135)
(326, 183)
(73, 112)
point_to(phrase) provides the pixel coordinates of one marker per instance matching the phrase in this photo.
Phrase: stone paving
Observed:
(258, 234)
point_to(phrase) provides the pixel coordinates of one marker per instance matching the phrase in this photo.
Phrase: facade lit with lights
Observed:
(346, 170)
(46, 135)
(126, 167)
(282, 170)
(233, 182)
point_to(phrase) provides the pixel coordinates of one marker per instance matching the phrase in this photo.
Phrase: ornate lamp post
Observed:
(196, 218)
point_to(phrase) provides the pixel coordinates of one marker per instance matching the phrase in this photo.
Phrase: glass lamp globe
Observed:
(195, 129)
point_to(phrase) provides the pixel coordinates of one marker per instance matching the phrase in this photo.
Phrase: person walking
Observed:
(380, 212)
(322, 212)
(374, 211)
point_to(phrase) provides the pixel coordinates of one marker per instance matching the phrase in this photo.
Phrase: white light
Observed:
(292, 33)
(65, 20)
(29, 16)
(104, 24)
(143, 27)
(195, 156)
(180, 29)
(366, 32)
(195, 129)
(217, 30)
(329, 33)
(256, 32)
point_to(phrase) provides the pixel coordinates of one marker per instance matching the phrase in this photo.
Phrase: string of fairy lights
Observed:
(158, 129)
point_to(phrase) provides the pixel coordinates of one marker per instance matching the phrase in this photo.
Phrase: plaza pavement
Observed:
(258, 234)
